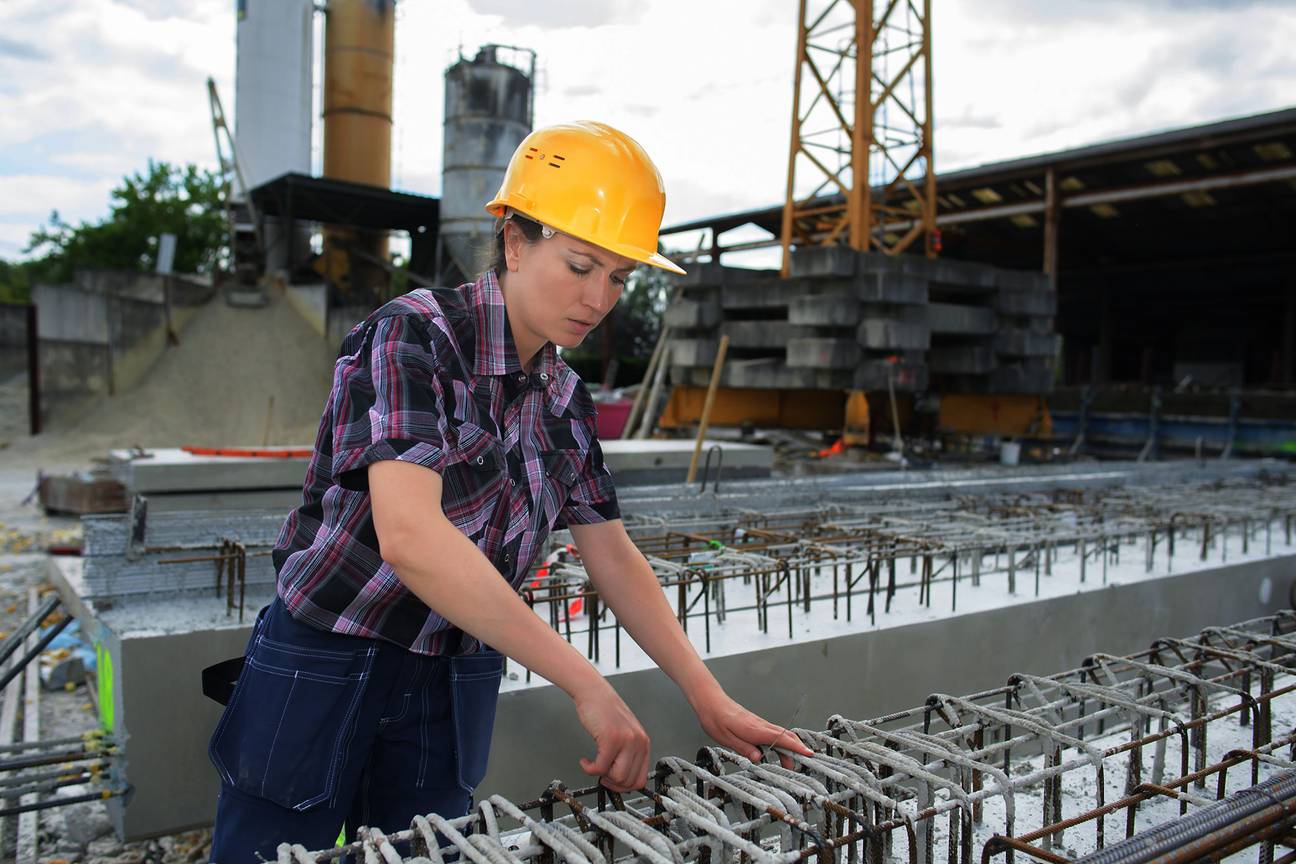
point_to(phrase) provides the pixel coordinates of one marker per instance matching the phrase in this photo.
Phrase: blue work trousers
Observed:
(325, 730)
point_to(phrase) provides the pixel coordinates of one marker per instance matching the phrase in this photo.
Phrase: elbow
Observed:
(405, 540)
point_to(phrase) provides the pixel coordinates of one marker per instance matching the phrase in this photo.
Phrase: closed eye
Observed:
(578, 271)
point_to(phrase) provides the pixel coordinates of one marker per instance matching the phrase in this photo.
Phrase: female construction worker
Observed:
(454, 440)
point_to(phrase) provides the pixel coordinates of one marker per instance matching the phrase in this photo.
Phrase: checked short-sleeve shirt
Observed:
(433, 378)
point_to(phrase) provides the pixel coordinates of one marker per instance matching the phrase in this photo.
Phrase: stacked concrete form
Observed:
(864, 321)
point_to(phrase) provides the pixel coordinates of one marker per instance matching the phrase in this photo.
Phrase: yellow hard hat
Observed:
(592, 182)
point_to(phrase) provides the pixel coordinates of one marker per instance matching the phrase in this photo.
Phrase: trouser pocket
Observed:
(474, 689)
(284, 734)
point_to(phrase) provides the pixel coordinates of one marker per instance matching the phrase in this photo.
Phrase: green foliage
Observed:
(630, 330)
(15, 283)
(184, 201)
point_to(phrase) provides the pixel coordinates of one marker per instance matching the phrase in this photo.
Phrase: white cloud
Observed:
(102, 85)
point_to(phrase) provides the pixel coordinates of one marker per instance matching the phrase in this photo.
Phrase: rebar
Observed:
(1037, 767)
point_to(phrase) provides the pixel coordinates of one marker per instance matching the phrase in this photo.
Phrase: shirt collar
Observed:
(496, 352)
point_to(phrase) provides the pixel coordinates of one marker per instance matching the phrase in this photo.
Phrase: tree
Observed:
(181, 200)
(629, 332)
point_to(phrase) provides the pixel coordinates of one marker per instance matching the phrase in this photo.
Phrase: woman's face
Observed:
(561, 288)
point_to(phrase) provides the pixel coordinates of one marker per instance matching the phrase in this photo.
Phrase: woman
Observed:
(454, 440)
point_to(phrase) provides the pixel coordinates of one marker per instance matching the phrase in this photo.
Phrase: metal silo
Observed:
(272, 101)
(488, 110)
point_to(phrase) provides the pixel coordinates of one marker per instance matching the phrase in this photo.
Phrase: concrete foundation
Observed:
(870, 673)
(153, 650)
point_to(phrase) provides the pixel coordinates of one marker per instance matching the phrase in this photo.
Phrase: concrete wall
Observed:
(102, 332)
(13, 339)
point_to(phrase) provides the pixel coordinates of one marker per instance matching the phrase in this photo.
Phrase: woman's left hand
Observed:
(733, 726)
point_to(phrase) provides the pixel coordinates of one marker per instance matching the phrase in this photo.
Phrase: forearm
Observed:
(446, 571)
(628, 585)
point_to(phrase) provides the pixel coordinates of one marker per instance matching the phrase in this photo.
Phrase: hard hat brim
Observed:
(498, 207)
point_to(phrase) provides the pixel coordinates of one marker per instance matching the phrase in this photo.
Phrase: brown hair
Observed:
(493, 255)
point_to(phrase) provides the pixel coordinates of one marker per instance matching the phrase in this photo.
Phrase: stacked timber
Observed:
(864, 321)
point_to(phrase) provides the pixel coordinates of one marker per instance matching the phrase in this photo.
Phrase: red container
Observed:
(612, 417)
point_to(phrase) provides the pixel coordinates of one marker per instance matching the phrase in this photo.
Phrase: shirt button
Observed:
(479, 460)
(544, 376)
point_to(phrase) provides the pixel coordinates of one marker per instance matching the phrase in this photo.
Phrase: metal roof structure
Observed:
(1172, 250)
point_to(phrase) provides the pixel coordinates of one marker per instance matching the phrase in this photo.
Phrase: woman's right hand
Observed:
(623, 747)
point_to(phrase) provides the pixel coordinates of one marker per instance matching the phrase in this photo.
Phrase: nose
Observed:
(601, 294)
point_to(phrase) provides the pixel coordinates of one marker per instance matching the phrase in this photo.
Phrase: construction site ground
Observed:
(237, 377)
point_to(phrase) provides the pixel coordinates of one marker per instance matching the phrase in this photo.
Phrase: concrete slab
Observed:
(827, 310)
(867, 674)
(1030, 378)
(764, 373)
(946, 271)
(773, 335)
(1022, 280)
(156, 649)
(823, 261)
(891, 287)
(961, 320)
(779, 293)
(169, 470)
(693, 352)
(692, 314)
(1013, 342)
(961, 359)
(640, 462)
(823, 353)
(889, 334)
(711, 274)
(908, 375)
(1018, 302)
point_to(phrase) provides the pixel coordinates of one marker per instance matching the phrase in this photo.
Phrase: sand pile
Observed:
(213, 389)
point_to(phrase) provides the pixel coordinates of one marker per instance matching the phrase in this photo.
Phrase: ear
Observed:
(513, 243)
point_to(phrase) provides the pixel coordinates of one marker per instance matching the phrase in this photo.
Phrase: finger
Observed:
(742, 741)
(621, 776)
(789, 740)
(645, 762)
(602, 761)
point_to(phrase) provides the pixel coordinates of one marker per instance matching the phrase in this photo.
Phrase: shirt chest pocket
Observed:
(474, 480)
(562, 470)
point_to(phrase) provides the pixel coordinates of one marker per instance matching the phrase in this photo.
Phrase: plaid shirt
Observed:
(433, 378)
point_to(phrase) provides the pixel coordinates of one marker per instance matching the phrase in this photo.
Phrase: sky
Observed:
(90, 90)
